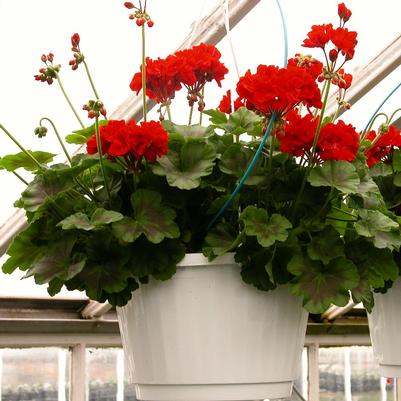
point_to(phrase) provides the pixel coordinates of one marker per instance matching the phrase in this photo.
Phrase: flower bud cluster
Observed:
(94, 108)
(48, 73)
(40, 131)
(78, 56)
(140, 16)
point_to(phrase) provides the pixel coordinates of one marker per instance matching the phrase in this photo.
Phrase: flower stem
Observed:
(191, 110)
(90, 79)
(58, 137)
(69, 101)
(168, 111)
(319, 126)
(99, 150)
(372, 122)
(20, 146)
(19, 177)
(201, 113)
(144, 105)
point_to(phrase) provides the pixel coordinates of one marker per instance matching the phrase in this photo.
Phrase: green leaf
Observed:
(373, 221)
(23, 251)
(157, 260)
(339, 174)
(219, 240)
(217, 117)
(151, 218)
(44, 187)
(21, 160)
(241, 121)
(184, 167)
(326, 246)
(101, 217)
(235, 161)
(322, 285)
(380, 170)
(79, 221)
(81, 136)
(390, 240)
(57, 263)
(396, 160)
(193, 131)
(376, 265)
(267, 230)
(397, 180)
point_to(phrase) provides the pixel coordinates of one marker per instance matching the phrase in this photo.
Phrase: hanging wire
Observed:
(264, 139)
(380, 106)
(228, 30)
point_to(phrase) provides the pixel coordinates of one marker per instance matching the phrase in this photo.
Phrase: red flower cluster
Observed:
(336, 141)
(278, 89)
(129, 140)
(383, 146)
(162, 79)
(298, 134)
(78, 56)
(191, 68)
(343, 39)
(225, 105)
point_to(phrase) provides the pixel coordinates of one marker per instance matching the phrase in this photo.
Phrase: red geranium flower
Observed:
(298, 134)
(383, 146)
(162, 79)
(338, 141)
(345, 41)
(225, 103)
(131, 141)
(344, 80)
(149, 140)
(318, 36)
(343, 12)
(278, 89)
(199, 65)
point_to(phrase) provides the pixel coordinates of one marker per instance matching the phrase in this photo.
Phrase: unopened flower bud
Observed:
(333, 54)
(42, 70)
(384, 128)
(103, 112)
(92, 114)
(49, 80)
(140, 21)
(50, 57)
(347, 106)
(74, 67)
(43, 58)
(40, 131)
(132, 16)
(85, 107)
(150, 23)
(128, 5)
(75, 39)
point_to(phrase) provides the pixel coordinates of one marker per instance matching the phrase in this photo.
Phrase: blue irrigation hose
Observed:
(380, 106)
(247, 172)
(285, 34)
(264, 139)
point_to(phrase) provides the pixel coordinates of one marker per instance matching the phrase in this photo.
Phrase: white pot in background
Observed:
(385, 330)
(206, 335)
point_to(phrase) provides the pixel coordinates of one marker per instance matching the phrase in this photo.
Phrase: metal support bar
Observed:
(78, 373)
(313, 367)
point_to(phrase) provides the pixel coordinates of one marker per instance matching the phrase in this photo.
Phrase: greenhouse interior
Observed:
(200, 200)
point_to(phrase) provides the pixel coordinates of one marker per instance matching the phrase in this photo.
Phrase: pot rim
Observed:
(198, 259)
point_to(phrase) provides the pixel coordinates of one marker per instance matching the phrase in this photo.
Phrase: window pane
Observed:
(34, 374)
(351, 373)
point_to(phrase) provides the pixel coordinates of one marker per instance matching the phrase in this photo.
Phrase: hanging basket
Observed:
(206, 335)
(385, 331)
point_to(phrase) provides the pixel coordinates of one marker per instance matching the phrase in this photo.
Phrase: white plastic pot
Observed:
(385, 330)
(206, 335)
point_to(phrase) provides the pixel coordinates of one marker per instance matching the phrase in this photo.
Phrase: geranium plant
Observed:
(300, 196)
